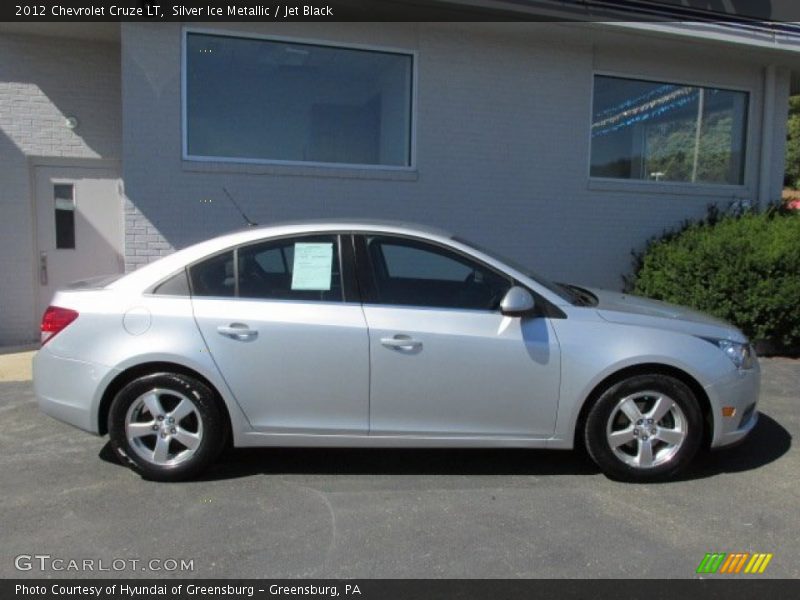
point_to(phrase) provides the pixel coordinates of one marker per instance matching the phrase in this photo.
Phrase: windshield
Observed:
(557, 288)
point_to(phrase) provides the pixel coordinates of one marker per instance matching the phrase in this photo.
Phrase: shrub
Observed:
(792, 173)
(744, 268)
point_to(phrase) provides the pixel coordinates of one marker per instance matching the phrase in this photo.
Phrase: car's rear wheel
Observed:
(645, 427)
(166, 426)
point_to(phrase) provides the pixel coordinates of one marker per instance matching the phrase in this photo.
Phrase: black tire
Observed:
(207, 422)
(606, 417)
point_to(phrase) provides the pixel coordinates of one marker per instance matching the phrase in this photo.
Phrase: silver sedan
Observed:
(374, 334)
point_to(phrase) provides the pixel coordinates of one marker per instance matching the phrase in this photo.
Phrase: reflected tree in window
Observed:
(667, 132)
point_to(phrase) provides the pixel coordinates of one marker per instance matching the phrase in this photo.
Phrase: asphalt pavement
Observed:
(285, 513)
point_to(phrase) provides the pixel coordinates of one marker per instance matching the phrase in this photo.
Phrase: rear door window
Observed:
(214, 276)
(301, 268)
(298, 268)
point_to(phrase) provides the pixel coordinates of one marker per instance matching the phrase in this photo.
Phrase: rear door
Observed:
(284, 327)
(444, 360)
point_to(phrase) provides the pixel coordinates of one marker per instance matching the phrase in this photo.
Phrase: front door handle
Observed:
(402, 342)
(238, 331)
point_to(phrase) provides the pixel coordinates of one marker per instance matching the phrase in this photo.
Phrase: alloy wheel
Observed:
(646, 429)
(164, 427)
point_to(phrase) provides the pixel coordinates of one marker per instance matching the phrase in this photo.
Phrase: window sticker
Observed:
(312, 268)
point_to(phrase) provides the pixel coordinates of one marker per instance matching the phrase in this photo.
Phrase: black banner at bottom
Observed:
(407, 589)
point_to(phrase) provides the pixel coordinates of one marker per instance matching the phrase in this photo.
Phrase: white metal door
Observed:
(78, 226)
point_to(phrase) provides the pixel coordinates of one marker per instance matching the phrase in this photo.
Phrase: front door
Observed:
(444, 360)
(78, 226)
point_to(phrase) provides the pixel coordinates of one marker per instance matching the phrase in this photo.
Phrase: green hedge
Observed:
(743, 268)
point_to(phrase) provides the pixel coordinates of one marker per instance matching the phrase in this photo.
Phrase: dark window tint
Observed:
(287, 101)
(214, 276)
(305, 268)
(408, 272)
(177, 285)
(64, 198)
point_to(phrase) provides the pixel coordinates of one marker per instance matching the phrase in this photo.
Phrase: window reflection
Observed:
(667, 132)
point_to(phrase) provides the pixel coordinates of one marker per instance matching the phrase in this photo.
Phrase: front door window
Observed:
(412, 273)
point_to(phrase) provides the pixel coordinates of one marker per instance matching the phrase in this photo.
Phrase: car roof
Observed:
(152, 273)
(345, 224)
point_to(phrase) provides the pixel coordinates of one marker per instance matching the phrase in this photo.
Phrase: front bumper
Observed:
(68, 389)
(739, 390)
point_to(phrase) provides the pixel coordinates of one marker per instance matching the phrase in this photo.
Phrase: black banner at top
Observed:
(778, 14)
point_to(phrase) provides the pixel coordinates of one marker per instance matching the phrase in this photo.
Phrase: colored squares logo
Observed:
(734, 563)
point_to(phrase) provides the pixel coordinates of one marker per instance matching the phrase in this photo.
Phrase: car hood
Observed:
(635, 310)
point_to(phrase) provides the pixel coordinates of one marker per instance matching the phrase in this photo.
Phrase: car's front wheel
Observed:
(166, 426)
(645, 427)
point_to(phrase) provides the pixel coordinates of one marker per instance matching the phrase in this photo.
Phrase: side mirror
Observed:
(517, 302)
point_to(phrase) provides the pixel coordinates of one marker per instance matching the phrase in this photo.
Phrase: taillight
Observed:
(54, 320)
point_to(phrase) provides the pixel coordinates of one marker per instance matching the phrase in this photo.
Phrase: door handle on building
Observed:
(43, 268)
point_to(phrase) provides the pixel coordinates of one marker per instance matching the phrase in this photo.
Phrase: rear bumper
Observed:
(68, 389)
(739, 390)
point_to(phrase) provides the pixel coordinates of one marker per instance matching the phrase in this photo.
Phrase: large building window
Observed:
(265, 100)
(667, 132)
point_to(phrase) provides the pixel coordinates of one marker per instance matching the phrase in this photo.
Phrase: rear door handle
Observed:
(238, 331)
(402, 342)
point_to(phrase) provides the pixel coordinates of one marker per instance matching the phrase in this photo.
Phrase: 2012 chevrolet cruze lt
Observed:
(381, 334)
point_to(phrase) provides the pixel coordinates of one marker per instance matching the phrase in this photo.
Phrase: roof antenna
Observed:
(239, 208)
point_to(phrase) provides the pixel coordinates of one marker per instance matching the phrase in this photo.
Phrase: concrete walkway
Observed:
(15, 366)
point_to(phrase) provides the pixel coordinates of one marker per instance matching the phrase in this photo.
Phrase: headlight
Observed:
(741, 355)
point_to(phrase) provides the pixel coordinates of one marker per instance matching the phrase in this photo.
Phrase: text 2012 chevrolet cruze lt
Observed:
(380, 334)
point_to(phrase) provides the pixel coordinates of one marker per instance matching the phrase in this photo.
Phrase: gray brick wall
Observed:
(502, 145)
(43, 80)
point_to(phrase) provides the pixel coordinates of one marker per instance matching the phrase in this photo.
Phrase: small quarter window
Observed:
(177, 285)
